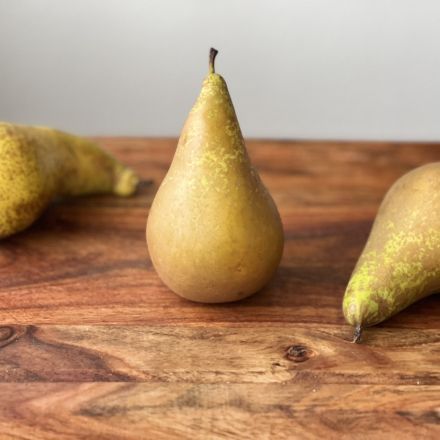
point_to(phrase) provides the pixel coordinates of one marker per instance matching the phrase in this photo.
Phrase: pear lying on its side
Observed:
(214, 233)
(38, 164)
(401, 260)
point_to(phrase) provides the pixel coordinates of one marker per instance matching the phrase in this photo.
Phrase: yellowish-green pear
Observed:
(214, 233)
(39, 164)
(400, 263)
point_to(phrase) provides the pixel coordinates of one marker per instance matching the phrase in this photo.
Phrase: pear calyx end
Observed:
(357, 334)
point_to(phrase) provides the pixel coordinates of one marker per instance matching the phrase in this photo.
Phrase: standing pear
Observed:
(213, 232)
(400, 263)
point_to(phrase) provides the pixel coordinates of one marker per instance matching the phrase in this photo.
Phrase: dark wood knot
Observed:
(10, 333)
(5, 333)
(299, 353)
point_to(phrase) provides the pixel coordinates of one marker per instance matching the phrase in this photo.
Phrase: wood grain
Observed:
(218, 354)
(92, 345)
(217, 411)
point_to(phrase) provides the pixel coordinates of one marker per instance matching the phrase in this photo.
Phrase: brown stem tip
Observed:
(357, 334)
(212, 54)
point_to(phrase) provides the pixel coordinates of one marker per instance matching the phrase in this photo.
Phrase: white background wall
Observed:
(295, 68)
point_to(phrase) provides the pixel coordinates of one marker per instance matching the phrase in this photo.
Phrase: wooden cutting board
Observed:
(94, 346)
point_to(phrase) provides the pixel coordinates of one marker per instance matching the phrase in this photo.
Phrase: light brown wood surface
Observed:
(94, 346)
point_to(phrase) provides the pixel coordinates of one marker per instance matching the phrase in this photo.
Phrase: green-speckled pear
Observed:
(401, 260)
(38, 164)
(214, 233)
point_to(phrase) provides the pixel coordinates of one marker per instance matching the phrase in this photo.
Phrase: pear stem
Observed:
(357, 334)
(212, 54)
